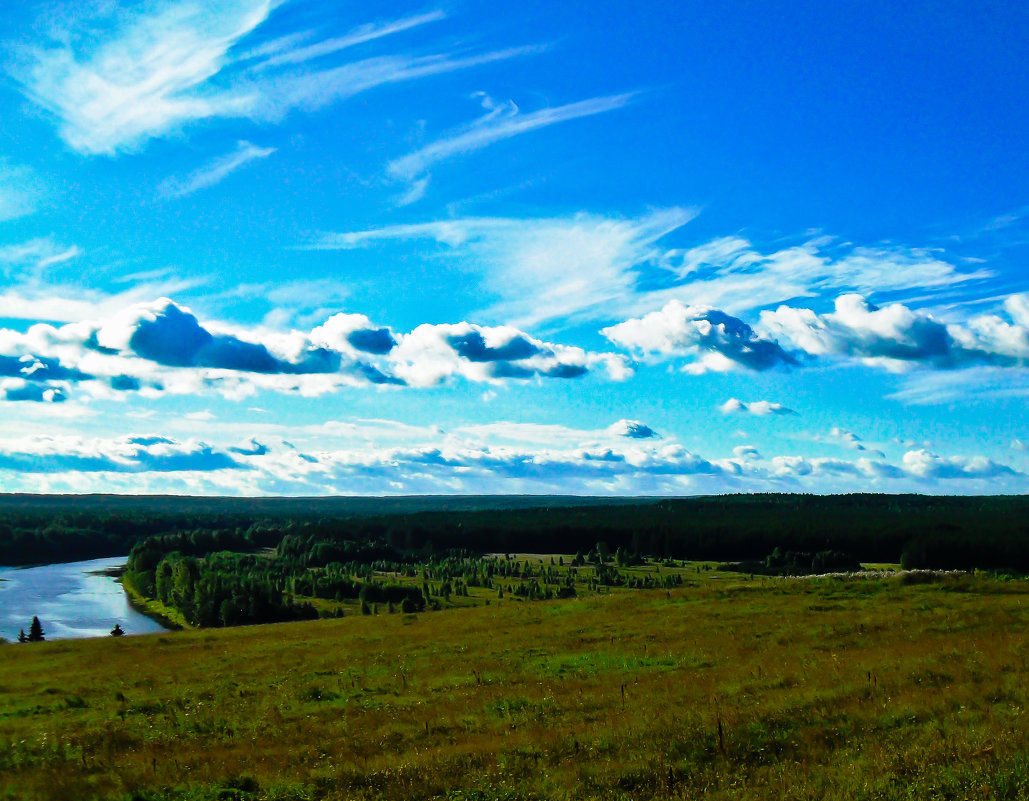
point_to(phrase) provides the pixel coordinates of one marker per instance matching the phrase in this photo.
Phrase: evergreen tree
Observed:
(22, 637)
(36, 631)
(117, 631)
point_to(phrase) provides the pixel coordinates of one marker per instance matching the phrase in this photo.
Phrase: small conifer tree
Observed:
(36, 631)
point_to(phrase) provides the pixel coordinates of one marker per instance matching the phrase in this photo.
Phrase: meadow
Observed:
(728, 686)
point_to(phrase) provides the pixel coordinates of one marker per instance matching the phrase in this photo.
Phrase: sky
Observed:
(307, 247)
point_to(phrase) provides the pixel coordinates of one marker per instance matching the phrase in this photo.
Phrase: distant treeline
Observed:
(920, 531)
(42, 529)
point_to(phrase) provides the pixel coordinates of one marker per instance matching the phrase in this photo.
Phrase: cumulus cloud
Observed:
(160, 346)
(925, 464)
(633, 429)
(20, 390)
(328, 459)
(712, 339)
(746, 452)
(848, 439)
(132, 76)
(802, 466)
(433, 353)
(756, 408)
(121, 455)
(896, 336)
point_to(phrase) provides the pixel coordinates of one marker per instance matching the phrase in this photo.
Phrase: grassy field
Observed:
(729, 687)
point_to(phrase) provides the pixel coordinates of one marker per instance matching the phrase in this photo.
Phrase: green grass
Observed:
(732, 688)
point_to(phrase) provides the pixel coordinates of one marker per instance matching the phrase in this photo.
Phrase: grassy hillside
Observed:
(728, 688)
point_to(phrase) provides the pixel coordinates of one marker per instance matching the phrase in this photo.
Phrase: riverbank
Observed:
(155, 610)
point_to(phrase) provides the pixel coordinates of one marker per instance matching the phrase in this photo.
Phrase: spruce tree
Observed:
(36, 631)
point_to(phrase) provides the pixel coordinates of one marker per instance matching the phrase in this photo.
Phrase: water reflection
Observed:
(70, 600)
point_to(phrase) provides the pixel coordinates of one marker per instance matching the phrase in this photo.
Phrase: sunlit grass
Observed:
(731, 688)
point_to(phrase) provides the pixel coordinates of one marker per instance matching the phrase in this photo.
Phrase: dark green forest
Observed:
(234, 561)
(989, 532)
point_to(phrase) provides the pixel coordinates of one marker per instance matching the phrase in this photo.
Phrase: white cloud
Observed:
(126, 78)
(214, 171)
(848, 439)
(36, 299)
(540, 269)
(633, 429)
(159, 347)
(288, 51)
(393, 458)
(712, 340)
(148, 76)
(500, 122)
(20, 191)
(756, 408)
(34, 257)
(1017, 307)
(897, 337)
(925, 464)
(746, 452)
(589, 266)
(733, 274)
(801, 466)
(932, 388)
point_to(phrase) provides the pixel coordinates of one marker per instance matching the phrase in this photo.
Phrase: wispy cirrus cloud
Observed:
(130, 77)
(20, 191)
(602, 267)
(215, 171)
(292, 50)
(501, 121)
(143, 77)
(27, 261)
(540, 269)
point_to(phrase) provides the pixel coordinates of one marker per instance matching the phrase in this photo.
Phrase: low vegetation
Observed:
(887, 686)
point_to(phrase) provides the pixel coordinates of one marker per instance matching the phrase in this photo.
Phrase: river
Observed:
(71, 600)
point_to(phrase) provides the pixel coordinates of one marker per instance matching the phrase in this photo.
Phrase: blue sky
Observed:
(309, 247)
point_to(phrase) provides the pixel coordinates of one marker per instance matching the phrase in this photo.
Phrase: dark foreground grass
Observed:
(809, 688)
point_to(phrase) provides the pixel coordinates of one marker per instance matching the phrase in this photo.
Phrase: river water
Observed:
(70, 599)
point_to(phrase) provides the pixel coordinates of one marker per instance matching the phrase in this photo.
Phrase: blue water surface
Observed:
(70, 599)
